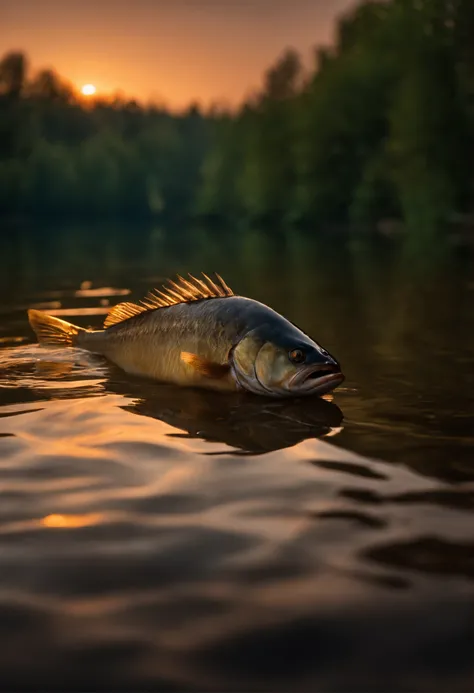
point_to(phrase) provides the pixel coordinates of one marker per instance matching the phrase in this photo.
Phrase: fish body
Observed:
(198, 333)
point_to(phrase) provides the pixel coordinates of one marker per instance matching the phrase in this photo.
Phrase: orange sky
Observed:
(174, 51)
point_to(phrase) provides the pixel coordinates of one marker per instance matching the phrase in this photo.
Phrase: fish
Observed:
(195, 332)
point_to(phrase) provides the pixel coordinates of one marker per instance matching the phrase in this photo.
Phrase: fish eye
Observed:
(297, 356)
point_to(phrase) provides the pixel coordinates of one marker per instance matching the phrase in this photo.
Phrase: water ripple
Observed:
(157, 538)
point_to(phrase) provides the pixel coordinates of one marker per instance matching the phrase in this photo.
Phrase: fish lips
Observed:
(316, 379)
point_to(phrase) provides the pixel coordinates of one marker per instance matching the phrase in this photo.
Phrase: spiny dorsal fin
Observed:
(180, 291)
(121, 312)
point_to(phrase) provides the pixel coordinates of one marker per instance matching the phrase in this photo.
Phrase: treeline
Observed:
(61, 155)
(381, 126)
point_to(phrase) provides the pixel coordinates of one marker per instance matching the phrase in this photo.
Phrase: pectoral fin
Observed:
(209, 369)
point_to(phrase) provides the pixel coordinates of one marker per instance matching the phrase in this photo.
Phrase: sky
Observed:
(174, 51)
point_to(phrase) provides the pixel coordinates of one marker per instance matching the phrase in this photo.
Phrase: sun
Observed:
(88, 90)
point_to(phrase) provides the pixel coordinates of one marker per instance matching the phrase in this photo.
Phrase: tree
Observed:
(382, 125)
(49, 86)
(13, 72)
(283, 79)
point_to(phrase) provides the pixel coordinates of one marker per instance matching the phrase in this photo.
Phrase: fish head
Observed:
(278, 363)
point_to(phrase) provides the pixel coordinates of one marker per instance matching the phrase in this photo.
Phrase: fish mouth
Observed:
(316, 379)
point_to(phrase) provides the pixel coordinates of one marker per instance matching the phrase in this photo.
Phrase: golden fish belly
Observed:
(160, 359)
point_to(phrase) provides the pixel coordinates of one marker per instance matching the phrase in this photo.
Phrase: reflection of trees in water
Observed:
(419, 386)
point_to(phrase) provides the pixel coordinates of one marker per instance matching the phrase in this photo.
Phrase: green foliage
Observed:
(381, 127)
(49, 179)
(59, 156)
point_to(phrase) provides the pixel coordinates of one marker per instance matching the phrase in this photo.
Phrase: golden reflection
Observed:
(46, 305)
(70, 521)
(12, 340)
(333, 432)
(101, 291)
(97, 310)
(54, 369)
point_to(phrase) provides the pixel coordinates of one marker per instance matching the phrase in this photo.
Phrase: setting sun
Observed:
(88, 90)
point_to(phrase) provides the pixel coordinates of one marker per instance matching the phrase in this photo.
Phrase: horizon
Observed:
(204, 45)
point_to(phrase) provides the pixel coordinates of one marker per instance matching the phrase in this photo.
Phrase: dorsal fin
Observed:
(121, 312)
(180, 291)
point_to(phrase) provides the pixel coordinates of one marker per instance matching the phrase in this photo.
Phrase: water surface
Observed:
(156, 538)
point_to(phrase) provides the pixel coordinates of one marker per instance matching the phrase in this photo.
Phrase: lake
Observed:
(157, 538)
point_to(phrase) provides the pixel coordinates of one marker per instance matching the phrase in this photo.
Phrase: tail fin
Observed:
(53, 331)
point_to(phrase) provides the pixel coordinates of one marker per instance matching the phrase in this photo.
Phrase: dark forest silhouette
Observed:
(381, 127)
